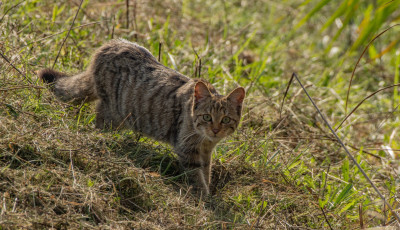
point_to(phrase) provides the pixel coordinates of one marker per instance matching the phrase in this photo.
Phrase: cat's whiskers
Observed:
(200, 140)
(189, 135)
(193, 142)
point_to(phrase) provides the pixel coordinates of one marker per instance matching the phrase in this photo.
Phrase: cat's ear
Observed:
(201, 91)
(237, 96)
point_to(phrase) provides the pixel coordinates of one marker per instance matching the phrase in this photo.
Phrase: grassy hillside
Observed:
(282, 169)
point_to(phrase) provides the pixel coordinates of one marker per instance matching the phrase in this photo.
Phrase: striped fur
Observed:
(133, 90)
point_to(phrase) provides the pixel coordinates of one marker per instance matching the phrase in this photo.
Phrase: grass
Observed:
(282, 171)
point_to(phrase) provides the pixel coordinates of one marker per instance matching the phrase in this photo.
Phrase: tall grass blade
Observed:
(312, 12)
(343, 194)
(361, 102)
(347, 151)
(358, 61)
(350, 12)
(396, 98)
(339, 12)
(69, 31)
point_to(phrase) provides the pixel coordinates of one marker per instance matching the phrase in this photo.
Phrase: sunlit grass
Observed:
(279, 170)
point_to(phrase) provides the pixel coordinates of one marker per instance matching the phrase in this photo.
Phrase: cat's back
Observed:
(119, 52)
(139, 91)
(120, 58)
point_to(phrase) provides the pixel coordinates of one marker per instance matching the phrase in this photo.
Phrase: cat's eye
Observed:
(207, 117)
(226, 120)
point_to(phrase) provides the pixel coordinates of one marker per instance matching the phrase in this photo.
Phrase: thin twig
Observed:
(72, 169)
(69, 31)
(81, 106)
(388, 3)
(159, 51)
(198, 68)
(360, 214)
(365, 151)
(10, 9)
(134, 19)
(359, 59)
(284, 96)
(113, 27)
(347, 151)
(333, 139)
(5, 58)
(21, 87)
(4, 205)
(15, 204)
(123, 121)
(379, 90)
(76, 27)
(18, 110)
(127, 13)
(195, 69)
(326, 219)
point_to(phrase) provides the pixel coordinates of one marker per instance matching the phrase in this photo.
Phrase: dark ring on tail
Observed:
(50, 76)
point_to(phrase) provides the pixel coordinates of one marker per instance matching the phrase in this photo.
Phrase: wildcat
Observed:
(133, 90)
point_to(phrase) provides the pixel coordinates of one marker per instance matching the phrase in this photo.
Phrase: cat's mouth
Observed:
(214, 137)
(211, 136)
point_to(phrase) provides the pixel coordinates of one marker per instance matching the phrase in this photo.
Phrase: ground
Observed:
(282, 169)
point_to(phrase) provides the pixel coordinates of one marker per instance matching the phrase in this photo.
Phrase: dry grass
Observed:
(58, 177)
(58, 171)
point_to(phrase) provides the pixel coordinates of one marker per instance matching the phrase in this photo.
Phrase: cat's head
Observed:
(216, 116)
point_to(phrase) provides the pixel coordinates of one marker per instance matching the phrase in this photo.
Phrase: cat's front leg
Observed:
(202, 179)
(198, 168)
(207, 167)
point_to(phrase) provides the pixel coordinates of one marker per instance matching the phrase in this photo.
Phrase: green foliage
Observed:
(370, 16)
(277, 171)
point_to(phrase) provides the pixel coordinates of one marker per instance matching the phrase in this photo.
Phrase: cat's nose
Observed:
(215, 131)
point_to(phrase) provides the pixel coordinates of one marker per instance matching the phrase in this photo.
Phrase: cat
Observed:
(133, 90)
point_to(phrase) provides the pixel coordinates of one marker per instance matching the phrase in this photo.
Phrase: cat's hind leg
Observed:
(103, 117)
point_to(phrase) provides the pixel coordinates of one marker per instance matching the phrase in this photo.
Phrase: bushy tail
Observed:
(74, 89)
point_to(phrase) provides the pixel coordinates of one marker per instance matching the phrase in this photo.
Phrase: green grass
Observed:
(282, 171)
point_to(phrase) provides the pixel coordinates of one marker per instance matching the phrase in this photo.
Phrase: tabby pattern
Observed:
(133, 90)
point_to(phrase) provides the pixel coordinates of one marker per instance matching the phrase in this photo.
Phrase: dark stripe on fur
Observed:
(173, 131)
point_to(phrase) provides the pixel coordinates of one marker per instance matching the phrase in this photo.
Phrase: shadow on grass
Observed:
(160, 159)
